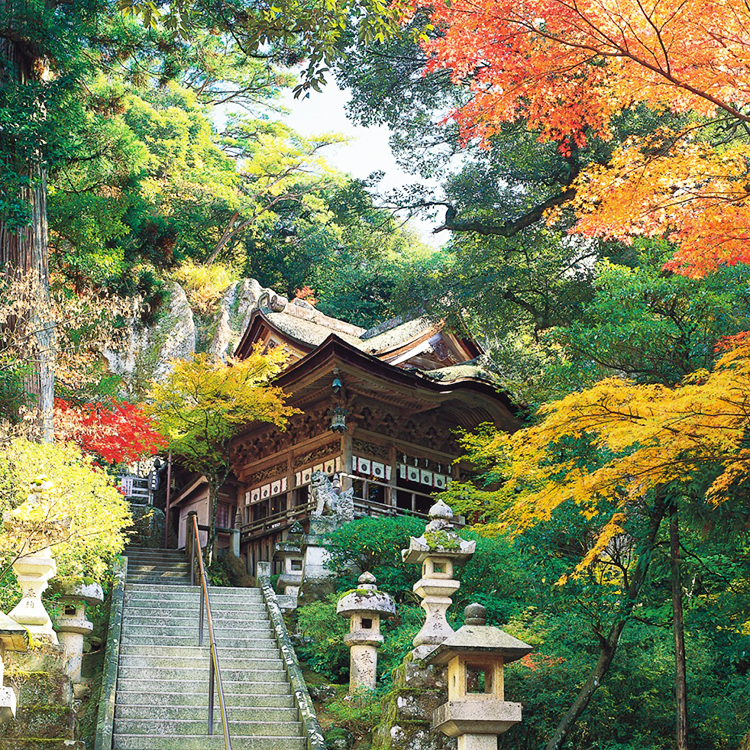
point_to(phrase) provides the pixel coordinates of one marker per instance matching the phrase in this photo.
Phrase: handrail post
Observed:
(211, 694)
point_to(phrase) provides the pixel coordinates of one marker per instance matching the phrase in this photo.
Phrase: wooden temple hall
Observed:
(379, 408)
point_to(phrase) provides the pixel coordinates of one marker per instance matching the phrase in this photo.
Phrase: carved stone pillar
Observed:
(33, 573)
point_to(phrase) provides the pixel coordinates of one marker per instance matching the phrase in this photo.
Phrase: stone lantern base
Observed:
(477, 717)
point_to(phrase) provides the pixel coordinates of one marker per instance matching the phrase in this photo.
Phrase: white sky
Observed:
(367, 151)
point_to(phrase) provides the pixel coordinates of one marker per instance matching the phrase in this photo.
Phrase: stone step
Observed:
(128, 685)
(199, 712)
(157, 555)
(218, 609)
(223, 633)
(198, 662)
(158, 570)
(188, 615)
(180, 652)
(135, 562)
(159, 727)
(198, 674)
(253, 641)
(211, 589)
(173, 577)
(202, 742)
(162, 591)
(151, 554)
(250, 701)
(218, 603)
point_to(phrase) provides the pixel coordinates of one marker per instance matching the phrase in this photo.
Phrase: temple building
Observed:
(379, 410)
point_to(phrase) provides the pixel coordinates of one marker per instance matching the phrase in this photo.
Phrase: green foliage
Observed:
(356, 712)
(322, 646)
(374, 545)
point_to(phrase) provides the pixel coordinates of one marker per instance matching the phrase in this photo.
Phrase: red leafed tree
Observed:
(117, 431)
(568, 67)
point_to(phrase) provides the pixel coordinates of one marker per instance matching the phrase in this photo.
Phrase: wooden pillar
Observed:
(393, 460)
(346, 459)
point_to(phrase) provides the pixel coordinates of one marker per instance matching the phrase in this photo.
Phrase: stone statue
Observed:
(329, 499)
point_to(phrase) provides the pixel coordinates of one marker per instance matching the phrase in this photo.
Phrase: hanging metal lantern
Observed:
(338, 418)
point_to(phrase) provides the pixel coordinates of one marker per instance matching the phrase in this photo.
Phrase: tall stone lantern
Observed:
(437, 551)
(476, 711)
(365, 607)
(36, 522)
(72, 624)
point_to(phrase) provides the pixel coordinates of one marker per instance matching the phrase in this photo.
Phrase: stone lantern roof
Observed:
(91, 593)
(439, 539)
(366, 599)
(477, 638)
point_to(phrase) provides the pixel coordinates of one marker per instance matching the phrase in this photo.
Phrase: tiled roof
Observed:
(465, 371)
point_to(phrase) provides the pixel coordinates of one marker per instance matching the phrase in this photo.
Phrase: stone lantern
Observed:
(33, 573)
(289, 552)
(476, 711)
(72, 624)
(365, 606)
(36, 522)
(437, 551)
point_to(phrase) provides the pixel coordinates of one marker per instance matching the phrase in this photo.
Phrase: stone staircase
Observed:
(162, 681)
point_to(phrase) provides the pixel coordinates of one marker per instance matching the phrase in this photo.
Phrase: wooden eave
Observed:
(467, 401)
(254, 333)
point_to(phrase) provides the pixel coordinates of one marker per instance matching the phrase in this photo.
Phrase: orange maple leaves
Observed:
(568, 67)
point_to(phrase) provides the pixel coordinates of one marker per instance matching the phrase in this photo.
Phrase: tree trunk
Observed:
(608, 644)
(680, 671)
(23, 250)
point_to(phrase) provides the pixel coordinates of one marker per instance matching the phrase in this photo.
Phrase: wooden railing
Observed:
(363, 506)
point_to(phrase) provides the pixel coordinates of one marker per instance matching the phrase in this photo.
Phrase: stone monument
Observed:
(365, 607)
(333, 508)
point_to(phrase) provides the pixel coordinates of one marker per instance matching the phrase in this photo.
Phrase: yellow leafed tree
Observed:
(202, 405)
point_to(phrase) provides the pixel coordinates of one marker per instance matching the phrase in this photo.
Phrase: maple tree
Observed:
(118, 431)
(570, 69)
(204, 402)
(624, 455)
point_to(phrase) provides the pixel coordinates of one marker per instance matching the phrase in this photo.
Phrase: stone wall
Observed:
(45, 718)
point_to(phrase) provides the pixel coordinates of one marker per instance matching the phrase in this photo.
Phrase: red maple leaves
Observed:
(117, 431)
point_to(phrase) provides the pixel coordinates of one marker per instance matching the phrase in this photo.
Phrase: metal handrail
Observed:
(214, 660)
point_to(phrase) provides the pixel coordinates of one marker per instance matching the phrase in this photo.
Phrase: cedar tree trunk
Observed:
(23, 250)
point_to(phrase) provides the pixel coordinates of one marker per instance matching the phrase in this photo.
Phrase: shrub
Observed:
(203, 285)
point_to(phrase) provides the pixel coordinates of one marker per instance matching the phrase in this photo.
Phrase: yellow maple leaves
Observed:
(604, 448)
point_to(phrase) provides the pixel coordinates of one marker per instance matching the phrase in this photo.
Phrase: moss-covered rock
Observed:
(416, 692)
(46, 721)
